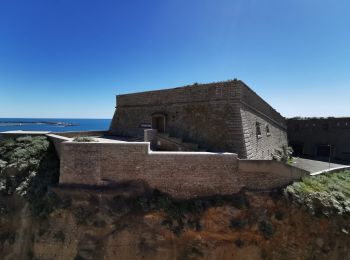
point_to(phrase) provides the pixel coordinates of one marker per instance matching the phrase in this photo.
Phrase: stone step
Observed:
(183, 146)
(175, 139)
(191, 145)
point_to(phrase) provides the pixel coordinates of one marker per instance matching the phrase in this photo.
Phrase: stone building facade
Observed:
(219, 117)
(320, 137)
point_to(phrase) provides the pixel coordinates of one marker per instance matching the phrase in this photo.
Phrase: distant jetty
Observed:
(21, 123)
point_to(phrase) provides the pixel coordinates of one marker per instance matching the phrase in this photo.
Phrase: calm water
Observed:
(11, 124)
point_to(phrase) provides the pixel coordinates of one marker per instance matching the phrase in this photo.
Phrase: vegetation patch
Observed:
(283, 154)
(323, 194)
(238, 224)
(182, 214)
(28, 165)
(266, 228)
(84, 139)
(82, 215)
(59, 236)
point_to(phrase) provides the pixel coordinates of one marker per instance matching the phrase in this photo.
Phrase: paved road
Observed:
(312, 165)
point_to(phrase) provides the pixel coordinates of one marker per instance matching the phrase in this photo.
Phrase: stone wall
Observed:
(261, 146)
(81, 133)
(204, 114)
(267, 174)
(308, 136)
(207, 114)
(260, 107)
(273, 134)
(181, 174)
(57, 140)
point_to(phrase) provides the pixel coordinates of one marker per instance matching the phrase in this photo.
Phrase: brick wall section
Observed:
(181, 174)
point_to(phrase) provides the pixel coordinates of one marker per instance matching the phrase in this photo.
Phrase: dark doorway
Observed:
(323, 150)
(159, 123)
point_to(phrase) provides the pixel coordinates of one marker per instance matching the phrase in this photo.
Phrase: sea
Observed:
(53, 124)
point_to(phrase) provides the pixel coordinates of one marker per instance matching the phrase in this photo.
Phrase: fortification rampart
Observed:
(180, 174)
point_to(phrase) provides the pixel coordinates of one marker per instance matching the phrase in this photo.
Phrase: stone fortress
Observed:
(193, 141)
(216, 117)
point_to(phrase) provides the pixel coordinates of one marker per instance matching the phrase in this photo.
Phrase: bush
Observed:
(322, 194)
(186, 213)
(283, 154)
(28, 165)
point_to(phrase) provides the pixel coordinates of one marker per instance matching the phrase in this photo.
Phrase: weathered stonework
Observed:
(219, 117)
(180, 174)
(314, 137)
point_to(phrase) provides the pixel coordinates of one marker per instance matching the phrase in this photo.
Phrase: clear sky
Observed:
(69, 58)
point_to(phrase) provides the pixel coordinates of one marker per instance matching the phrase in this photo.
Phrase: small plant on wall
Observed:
(84, 139)
(283, 154)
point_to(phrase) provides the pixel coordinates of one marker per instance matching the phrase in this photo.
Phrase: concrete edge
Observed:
(331, 170)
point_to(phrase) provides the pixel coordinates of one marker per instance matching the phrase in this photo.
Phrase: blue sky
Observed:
(69, 58)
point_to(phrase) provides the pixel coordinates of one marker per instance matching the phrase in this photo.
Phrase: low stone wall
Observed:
(180, 174)
(81, 133)
(57, 140)
(267, 174)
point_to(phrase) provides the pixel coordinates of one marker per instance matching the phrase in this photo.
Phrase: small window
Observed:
(338, 124)
(258, 129)
(268, 130)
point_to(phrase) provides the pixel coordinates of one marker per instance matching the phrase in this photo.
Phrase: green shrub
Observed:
(283, 154)
(84, 139)
(185, 213)
(322, 194)
(28, 165)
